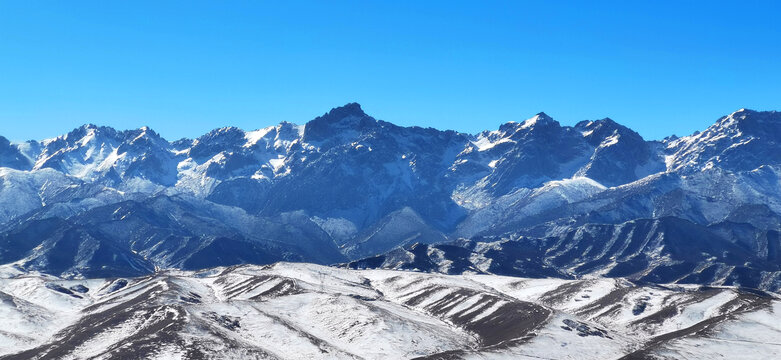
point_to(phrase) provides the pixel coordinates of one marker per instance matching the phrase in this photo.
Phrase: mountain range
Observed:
(530, 199)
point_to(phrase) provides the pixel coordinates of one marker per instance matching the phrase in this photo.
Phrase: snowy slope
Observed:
(304, 311)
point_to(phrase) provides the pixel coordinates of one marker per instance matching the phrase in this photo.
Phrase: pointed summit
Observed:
(749, 122)
(346, 111)
(595, 131)
(743, 111)
(742, 141)
(540, 119)
(145, 135)
(337, 121)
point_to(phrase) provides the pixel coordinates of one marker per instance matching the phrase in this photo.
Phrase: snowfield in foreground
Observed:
(304, 311)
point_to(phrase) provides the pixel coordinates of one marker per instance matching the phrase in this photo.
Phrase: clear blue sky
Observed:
(186, 67)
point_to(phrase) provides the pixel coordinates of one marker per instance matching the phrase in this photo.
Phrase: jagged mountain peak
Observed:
(93, 128)
(339, 121)
(339, 114)
(600, 123)
(750, 122)
(222, 131)
(85, 131)
(588, 124)
(216, 141)
(99, 135)
(102, 135)
(349, 109)
(598, 131)
(144, 134)
(145, 131)
(540, 119)
(743, 140)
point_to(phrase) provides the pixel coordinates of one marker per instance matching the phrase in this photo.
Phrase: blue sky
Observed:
(186, 67)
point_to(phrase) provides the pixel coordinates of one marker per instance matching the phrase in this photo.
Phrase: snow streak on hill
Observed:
(302, 311)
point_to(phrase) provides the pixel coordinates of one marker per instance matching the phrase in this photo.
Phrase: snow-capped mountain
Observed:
(305, 311)
(345, 186)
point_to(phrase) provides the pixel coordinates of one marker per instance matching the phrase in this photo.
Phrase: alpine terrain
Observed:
(352, 237)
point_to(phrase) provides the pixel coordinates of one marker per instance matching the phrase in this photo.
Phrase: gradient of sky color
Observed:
(185, 67)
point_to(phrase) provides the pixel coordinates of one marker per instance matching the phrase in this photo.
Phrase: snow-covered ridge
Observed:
(294, 311)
